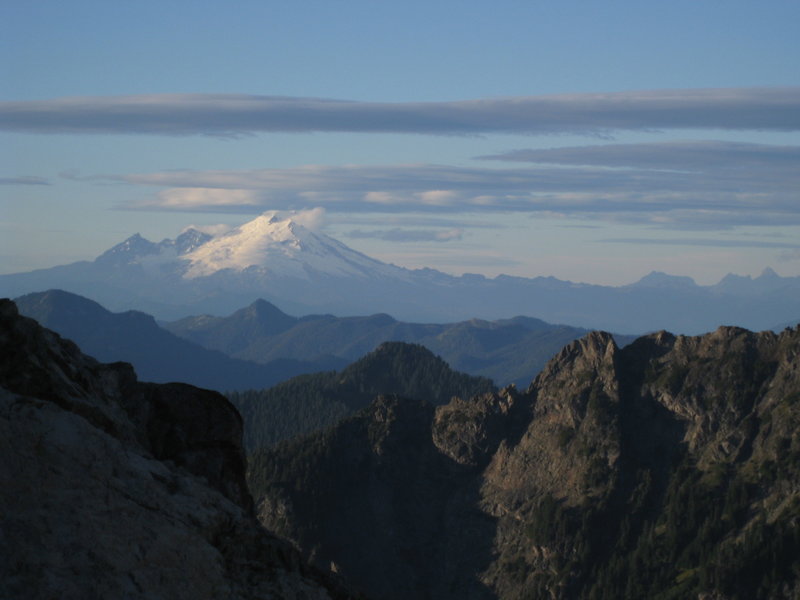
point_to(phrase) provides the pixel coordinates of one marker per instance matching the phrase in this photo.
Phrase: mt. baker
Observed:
(266, 246)
(281, 248)
(302, 272)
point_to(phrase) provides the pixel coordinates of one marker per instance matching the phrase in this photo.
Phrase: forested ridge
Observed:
(311, 402)
(666, 469)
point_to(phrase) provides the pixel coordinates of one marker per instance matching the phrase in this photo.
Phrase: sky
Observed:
(590, 141)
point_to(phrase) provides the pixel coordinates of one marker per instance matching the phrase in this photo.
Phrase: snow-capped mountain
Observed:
(280, 247)
(136, 249)
(303, 271)
(268, 247)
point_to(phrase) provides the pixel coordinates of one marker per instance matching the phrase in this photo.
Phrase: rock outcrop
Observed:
(113, 488)
(666, 469)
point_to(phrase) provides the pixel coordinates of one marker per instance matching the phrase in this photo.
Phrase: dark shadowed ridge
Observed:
(312, 402)
(665, 469)
(156, 354)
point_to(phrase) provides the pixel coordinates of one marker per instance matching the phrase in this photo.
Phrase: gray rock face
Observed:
(112, 488)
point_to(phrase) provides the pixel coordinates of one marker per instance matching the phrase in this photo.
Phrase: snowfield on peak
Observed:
(282, 248)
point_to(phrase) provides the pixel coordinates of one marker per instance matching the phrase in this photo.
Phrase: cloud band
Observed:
(775, 109)
(695, 185)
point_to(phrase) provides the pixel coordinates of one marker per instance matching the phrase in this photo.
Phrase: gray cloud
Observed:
(718, 184)
(705, 242)
(412, 220)
(408, 235)
(440, 185)
(790, 255)
(677, 155)
(776, 109)
(24, 180)
(681, 185)
(477, 260)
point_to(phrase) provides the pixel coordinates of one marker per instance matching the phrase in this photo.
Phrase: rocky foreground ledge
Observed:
(115, 488)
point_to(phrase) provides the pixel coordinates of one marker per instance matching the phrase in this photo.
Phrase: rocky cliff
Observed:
(113, 488)
(666, 469)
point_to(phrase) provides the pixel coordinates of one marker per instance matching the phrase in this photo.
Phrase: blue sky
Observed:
(590, 141)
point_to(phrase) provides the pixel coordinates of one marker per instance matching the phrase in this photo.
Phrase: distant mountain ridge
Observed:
(305, 272)
(507, 350)
(259, 346)
(157, 355)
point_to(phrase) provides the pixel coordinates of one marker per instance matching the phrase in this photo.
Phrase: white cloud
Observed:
(313, 219)
(438, 197)
(212, 230)
(380, 198)
(190, 197)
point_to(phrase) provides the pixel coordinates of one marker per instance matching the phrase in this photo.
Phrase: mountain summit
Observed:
(281, 247)
(135, 248)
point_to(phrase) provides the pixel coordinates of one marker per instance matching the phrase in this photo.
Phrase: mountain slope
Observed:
(307, 272)
(666, 469)
(313, 402)
(112, 488)
(261, 332)
(157, 355)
